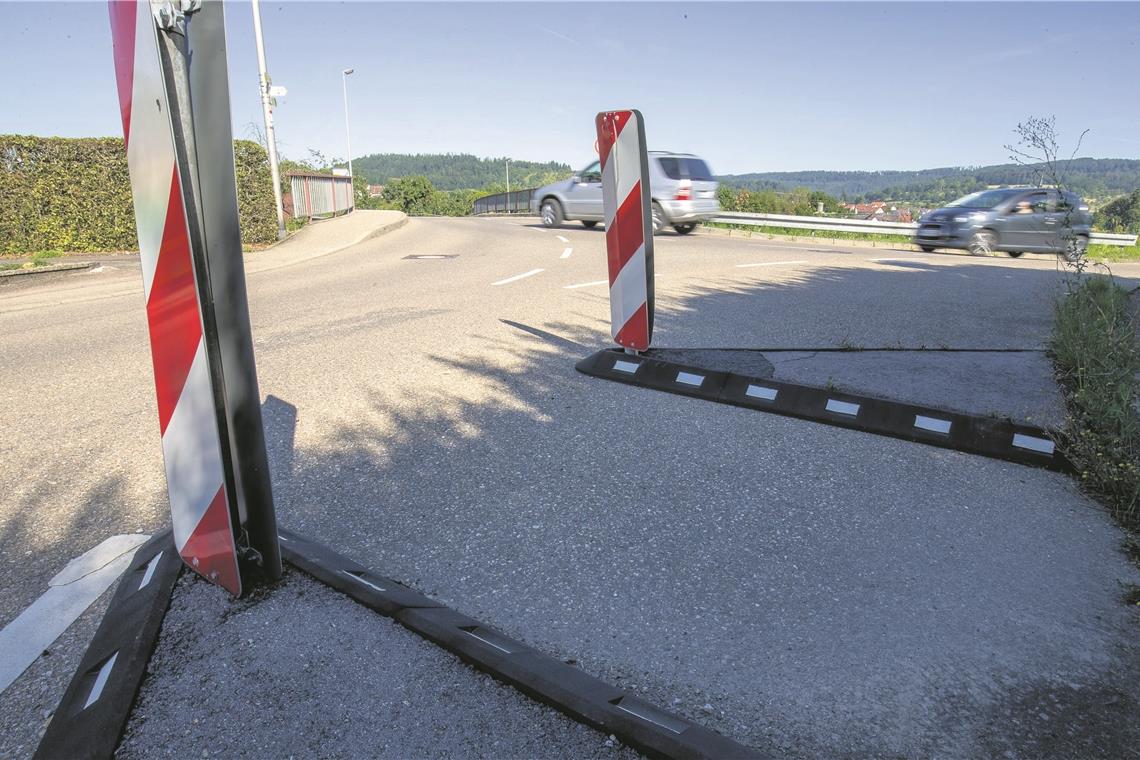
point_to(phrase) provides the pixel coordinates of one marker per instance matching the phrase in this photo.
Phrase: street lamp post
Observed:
(508, 185)
(267, 113)
(347, 133)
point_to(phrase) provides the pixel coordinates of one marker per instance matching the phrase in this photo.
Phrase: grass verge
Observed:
(38, 259)
(1096, 352)
(1114, 253)
(811, 234)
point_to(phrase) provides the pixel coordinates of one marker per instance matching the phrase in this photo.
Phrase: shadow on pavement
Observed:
(801, 589)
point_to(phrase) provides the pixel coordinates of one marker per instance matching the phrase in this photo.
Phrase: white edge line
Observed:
(770, 264)
(586, 284)
(518, 277)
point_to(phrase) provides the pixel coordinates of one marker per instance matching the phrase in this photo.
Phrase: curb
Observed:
(255, 258)
(640, 724)
(44, 270)
(95, 707)
(998, 438)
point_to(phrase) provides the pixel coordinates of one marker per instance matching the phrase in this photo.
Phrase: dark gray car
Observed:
(1013, 219)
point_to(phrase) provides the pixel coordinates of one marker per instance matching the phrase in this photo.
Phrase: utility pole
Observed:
(267, 112)
(347, 134)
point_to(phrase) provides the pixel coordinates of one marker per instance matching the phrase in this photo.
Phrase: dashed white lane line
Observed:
(566, 253)
(518, 277)
(69, 593)
(771, 264)
(564, 240)
(591, 284)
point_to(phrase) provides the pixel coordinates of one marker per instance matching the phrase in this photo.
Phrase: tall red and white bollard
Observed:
(629, 226)
(180, 158)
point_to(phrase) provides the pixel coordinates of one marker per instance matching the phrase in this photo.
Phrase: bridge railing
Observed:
(320, 195)
(514, 202)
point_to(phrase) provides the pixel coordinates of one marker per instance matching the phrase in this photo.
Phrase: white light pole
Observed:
(508, 185)
(347, 133)
(267, 113)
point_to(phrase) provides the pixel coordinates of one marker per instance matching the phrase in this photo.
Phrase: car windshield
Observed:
(681, 167)
(984, 199)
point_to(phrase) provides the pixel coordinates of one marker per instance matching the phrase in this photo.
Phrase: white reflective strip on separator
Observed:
(359, 579)
(760, 391)
(624, 366)
(842, 407)
(933, 424)
(191, 449)
(150, 146)
(100, 681)
(150, 568)
(609, 195)
(688, 378)
(627, 294)
(1033, 443)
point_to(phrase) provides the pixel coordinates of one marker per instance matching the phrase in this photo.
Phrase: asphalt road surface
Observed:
(801, 588)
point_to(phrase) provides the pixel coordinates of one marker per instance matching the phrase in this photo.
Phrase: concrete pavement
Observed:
(803, 589)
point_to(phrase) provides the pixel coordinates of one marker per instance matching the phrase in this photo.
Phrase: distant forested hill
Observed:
(1091, 177)
(456, 171)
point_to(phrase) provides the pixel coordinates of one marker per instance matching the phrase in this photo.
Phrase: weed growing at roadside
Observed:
(1097, 357)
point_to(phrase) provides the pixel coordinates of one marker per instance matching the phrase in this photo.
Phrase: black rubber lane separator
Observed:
(97, 703)
(589, 700)
(995, 437)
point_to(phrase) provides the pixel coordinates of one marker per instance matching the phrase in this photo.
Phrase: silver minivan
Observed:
(682, 187)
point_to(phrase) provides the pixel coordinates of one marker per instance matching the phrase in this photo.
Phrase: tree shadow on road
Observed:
(803, 589)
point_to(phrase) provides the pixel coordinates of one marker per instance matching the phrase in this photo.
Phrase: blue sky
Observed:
(751, 87)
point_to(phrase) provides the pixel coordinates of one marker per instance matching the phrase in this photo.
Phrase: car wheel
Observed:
(927, 248)
(551, 213)
(685, 229)
(658, 218)
(983, 243)
(1076, 248)
(1015, 254)
(589, 224)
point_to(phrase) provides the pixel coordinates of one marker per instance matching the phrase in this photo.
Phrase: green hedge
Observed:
(62, 194)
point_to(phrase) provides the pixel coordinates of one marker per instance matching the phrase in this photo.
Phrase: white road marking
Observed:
(566, 253)
(770, 264)
(518, 277)
(564, 240)
(69, 593)
(586, 284)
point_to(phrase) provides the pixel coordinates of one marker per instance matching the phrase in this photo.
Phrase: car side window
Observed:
(1038, 202)
(592, 173)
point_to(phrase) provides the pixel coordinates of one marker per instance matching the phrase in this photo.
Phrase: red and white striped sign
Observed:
(629, 229)
(191, 442)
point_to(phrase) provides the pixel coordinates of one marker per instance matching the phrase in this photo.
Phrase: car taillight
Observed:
(684, 191)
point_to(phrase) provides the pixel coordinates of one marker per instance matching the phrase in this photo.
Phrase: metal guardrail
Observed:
(865, 226)
(515, 202)
(320, 195)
